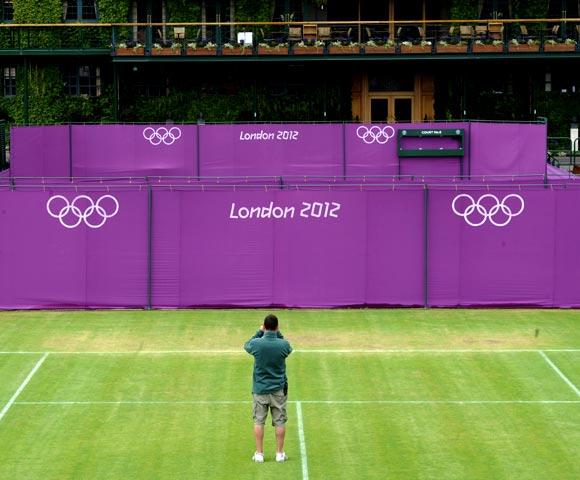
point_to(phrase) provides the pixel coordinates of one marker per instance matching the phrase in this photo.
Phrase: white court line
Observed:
(330, 351)
(300, 402)
(22, 386)
(558, 371)
(302, 441)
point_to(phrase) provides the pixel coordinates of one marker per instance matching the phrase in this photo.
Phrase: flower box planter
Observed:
(451, 48)
(346, 50)
(236, 51)
(484, 48)
(273, 51)
(201, 52)
(524, 48)
(165, 52)
(129, 51)
(416, 49)
(308, 50)
(379, 50)
(559, 47)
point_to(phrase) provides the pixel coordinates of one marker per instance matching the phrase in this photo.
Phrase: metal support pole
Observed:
(25, 110)
(344, 171)
(70, 153)
(198, 160)
(149, 248)
(426, 246)
(3, 163)
(115, 92)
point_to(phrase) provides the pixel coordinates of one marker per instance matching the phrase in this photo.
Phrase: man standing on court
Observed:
(270, 384)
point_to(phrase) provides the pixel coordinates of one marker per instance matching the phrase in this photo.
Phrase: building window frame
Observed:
(9, 81)
(80, 9)
(83, 81)
(7, 11)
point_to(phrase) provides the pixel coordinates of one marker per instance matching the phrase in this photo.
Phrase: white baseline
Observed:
(240, 351)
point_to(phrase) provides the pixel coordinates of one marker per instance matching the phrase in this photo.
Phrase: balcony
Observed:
(275, 41)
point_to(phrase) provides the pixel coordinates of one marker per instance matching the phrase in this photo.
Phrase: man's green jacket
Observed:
(270, 351)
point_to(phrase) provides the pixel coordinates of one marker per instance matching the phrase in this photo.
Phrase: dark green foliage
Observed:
(254, 11)
(231, 105)
(560, 109)
(183, 11)
(38, 11)
(113, 11)
(464, 9)
(534, 9)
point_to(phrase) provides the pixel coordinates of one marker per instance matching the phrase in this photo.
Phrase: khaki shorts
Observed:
(276, 403)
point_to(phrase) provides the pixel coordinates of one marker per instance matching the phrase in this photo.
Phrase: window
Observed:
(7, 11)
(9, 81)
(78, 10)
(83, 80)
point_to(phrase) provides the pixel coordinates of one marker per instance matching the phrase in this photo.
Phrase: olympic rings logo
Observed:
(82, 209)
(489, 207)
(375, 134)
(161, 135)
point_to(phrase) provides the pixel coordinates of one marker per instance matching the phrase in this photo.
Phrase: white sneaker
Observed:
(281, 457)
(258, 457)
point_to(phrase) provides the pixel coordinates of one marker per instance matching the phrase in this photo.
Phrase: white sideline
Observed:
(559, 372)
(310, 402)
(241, 352)
(302, 441)
(22, 386)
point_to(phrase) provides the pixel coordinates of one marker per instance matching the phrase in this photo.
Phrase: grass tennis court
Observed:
(374, 394)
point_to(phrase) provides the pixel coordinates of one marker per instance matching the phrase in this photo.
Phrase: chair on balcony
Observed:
(409, 33)
(452, 35)
(553, 33)
(376, 34)
(481, 32)
(323, 34)
(524, 35)
(465, 33)
(294, 34)
(341, 34)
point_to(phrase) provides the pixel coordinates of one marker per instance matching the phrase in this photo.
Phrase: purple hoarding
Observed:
(292, 248)
(262, 150)
(306, 247)
(329, 150)
(40, 151)
(50, 262)
(133, 150)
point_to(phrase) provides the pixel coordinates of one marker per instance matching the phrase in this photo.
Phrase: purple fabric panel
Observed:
(45, 265)
(321, 262)
(123, 150)
(116, 254)
(490, 265)
(380, 157)
(271, 150)
(567, 252)
(225, 261)
(39, 151)
(167, 248)
(508, 148)
(395, 249)
(333, 248)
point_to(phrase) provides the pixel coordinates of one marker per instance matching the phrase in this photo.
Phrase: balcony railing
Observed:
(441, 37)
